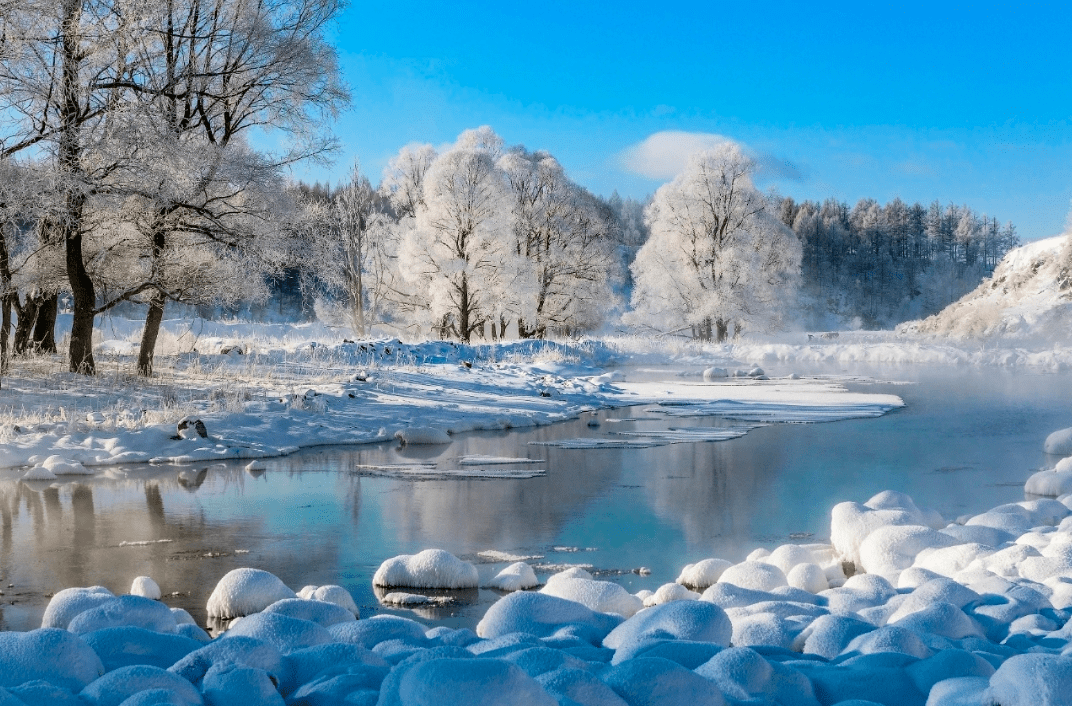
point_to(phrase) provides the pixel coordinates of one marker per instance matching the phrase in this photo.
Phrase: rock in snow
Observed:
(422, 435)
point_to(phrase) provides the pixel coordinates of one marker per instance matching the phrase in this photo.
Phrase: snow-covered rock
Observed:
(244, 592)
(754, 575)
(669, 592)
(431, 568)
(600, 596)
(1059, 443)
(145, 587)
(703, 573)
(515, 577)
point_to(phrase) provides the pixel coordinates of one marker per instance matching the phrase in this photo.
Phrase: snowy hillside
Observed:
(1028, 298)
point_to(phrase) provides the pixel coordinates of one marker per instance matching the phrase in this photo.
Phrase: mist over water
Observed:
(966, 440)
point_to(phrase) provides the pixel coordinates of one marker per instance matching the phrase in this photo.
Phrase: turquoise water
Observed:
(965, 441)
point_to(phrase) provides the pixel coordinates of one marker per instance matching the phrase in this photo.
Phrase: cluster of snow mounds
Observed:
(901, 608)
(1026, 299)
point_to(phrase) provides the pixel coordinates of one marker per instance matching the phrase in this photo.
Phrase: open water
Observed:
(966, 440)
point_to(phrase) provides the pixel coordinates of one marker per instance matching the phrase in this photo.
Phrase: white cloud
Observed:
(663, 155)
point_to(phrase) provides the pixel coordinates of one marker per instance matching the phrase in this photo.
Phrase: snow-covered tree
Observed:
(564, 234)
(351, 248)
(459, 256)
(111, 87)
(717, 256)
(403, 179)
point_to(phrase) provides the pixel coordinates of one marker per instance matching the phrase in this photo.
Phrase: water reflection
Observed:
(310, 519)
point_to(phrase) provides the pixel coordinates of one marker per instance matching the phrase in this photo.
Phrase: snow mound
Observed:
(244, 592)
(600, 596)
(320, 612)
(851, 523)
(542, 615)
(703, 573)
(742, 674)
(145, 587)
(233, 683)
(334, 594)
(69, 602)
(115, 687)
(808, 577)
(432, 568)
(669, 592)
(1032, 680)
(61, 466)
(467, 681)
(696, 621)
(126, 646)
(125, 610)
(754, 575)
(377, 629)
(1059, 443)
(55, 656)
(515, 577)
(1027, 299)
(655, 681)
(891, 549)
(282, 632)
(1052, 483)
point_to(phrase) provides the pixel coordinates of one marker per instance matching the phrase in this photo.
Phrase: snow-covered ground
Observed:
(269, 390)
(902, 607)
(1028, 300)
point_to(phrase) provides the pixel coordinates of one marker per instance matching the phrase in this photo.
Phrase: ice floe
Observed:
(430, 471)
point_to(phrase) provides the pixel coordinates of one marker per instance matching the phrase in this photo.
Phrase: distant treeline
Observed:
(876, 265)
(869, 265)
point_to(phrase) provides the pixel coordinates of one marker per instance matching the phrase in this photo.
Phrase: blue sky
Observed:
(968, 103)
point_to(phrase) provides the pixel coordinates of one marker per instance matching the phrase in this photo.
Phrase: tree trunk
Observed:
(44, 333)
(150, 333)
(463, 310)
(69, 159)
(27, 322)
(5, 332)
(722, 328)
(85, 298)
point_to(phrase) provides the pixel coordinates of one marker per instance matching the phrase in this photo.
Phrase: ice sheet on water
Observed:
(594, 442)
(482, 460)
(679, 435)
(649, 439)
(772, 412)
(496, 556)
(428, 471)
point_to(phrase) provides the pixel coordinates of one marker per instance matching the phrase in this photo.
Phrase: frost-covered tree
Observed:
(350, 249)
(108, 88)
(564, 235)
(403, 179)
(458, 256)
(717, 256)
